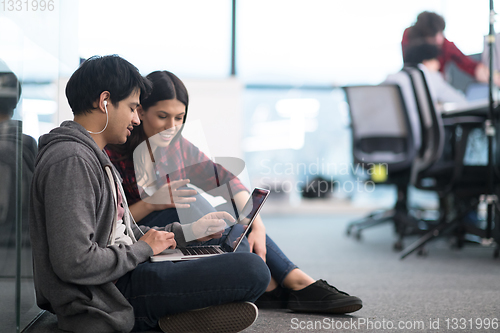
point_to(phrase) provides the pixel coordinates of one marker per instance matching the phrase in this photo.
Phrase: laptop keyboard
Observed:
(192, 251)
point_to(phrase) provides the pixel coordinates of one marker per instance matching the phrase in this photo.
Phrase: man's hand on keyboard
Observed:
(159, 240)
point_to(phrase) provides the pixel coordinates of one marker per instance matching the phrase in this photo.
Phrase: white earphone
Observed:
(106, 126)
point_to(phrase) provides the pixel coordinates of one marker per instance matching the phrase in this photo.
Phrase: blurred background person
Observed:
(425, 57)
(429, 28)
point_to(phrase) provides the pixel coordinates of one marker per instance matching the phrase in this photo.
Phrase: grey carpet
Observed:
(447, 284)
(444, 285)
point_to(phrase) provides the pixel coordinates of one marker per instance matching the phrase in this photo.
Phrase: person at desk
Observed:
(429, 28)
(444, 96)
(425, 57)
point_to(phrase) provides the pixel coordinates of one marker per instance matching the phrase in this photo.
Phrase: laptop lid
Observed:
(244, 219)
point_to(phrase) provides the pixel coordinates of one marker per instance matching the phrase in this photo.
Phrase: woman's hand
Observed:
(482, 73)
(211, 226)
(170, 196)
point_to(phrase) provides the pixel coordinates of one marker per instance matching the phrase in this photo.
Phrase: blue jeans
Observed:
(162, 288)
(276, 260)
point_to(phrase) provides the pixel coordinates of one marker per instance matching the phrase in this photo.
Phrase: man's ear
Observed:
(103, 97)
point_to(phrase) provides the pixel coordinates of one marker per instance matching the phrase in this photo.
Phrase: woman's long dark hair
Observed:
(428, 24)
(166, 86)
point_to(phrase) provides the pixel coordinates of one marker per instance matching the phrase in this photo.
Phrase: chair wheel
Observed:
(398, 246)
(422, 252)
(454, 243)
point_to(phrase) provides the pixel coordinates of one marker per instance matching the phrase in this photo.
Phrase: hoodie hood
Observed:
(70, 131)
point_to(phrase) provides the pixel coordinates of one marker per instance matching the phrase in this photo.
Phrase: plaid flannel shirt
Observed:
(449, 53)
(180, 160)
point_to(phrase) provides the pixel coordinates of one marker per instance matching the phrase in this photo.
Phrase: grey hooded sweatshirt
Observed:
(71, 218)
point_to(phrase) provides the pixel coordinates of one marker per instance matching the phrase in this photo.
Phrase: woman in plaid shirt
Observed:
(155, 188)
(429, 28)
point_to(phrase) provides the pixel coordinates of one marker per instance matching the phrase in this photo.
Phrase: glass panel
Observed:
(43, 48)
(341, 42)
(30, 47)
(17, 160)
(190, 38)
(10, 216)
(289, 138)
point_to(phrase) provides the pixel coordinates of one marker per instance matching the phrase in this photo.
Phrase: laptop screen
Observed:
(245, 219)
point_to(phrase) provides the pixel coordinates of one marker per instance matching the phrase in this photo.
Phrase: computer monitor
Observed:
(485, 56)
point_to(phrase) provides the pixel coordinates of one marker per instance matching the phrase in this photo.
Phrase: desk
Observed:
(469, 116)
(480, 112)
(476, 108)
(475, 114)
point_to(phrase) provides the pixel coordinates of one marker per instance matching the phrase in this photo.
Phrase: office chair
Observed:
(382, 134)
(443, 171)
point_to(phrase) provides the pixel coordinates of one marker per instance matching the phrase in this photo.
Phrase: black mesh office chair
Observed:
(442, 170)
(382, 135)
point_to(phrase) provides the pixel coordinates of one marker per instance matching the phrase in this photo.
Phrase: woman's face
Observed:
(162, 121)
(438, 39)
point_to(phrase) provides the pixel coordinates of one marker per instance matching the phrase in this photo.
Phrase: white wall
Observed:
(217, 104)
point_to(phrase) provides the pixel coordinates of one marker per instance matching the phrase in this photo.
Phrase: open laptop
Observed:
(233, 239)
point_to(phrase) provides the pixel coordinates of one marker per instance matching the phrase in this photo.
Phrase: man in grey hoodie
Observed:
(91, 262)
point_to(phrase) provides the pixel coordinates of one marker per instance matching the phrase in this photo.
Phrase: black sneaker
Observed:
(274, 299)
(322, 297)
(225, 318)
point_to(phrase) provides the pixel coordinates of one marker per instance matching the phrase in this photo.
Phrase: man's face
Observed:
(122, 118)
(432, 64)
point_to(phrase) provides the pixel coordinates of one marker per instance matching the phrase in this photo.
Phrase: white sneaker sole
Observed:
(225, 318)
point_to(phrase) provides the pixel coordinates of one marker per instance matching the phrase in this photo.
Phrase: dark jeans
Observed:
(276, 260)
(161, 288)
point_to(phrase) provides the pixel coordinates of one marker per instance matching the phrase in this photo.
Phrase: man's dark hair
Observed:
(10, 93)
(165, 86)
(107, 73)
(416, 53)
(428, 25)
